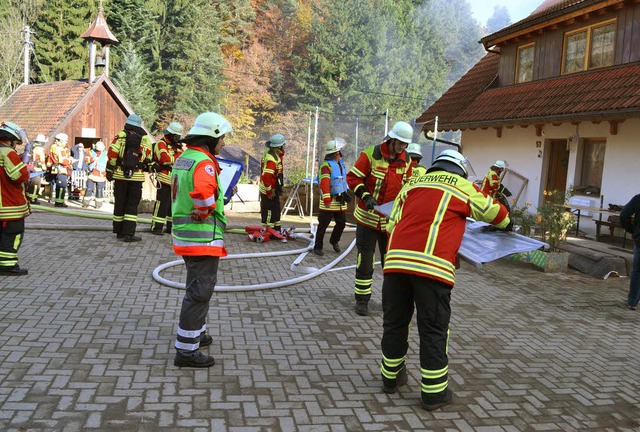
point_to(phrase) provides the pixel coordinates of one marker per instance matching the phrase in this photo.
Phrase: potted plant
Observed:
(523, 220)
(555, 221)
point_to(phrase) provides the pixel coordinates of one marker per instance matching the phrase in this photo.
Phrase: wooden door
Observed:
(557, 165)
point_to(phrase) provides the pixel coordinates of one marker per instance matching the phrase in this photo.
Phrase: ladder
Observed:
(293, 201)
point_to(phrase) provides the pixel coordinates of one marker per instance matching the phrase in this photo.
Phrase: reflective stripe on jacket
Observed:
(374, 173)
(165, 155)
(491, 183)
(428, 220)
(270, 170)
(13, 175)
(197, 205)
(116, 152)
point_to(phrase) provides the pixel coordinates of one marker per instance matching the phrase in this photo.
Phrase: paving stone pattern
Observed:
(87, 344)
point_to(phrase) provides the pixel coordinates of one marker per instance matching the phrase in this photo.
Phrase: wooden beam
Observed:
(595, 121)
(499, 131)
(538, 130)
(556, 123)
(613, 126)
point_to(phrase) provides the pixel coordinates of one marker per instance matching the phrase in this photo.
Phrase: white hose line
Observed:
(254, 287)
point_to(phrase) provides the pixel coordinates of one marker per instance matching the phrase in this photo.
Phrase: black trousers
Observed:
(11, 235)
(202, 276)
(62, 181)
(270, 211)
(127, 195)
(162, 209)
(432, 299)
(33, 187)
(324, 219)
(366, 239)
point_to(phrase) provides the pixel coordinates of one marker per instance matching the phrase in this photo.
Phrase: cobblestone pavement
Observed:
(87, 344)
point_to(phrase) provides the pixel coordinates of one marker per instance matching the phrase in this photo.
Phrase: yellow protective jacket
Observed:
(428, 220)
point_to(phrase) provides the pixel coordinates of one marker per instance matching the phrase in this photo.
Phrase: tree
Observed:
(61, 52)
(498, 20)
(369, 55)
(133, 80)
(457, 32)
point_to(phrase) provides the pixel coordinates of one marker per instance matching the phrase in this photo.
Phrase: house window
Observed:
(524, 66)
(593, 163)
(589, 48)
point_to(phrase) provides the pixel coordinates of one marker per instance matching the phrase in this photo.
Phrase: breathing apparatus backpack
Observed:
(131, 154)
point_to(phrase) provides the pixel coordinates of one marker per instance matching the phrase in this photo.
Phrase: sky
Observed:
(518, 9)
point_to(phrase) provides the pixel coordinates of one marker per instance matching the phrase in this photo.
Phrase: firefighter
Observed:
(376, 178)
(271, 182)
(167, 150)
(198, 229)
(38, 166)
(334, 197)
(426, 226)
(13, 201)
(129, 156)
(414, 150)
(96, 181)
(59, 165)
(492, 182)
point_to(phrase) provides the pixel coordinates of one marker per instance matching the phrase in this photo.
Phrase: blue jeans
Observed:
(634, 283)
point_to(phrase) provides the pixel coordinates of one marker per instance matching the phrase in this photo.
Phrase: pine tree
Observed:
(133, 80)
(457, 32)
(61, 52)
(498, 20)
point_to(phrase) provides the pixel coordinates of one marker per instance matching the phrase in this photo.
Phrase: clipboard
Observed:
(230, 172)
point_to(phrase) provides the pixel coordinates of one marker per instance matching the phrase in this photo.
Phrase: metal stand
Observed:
(293, 201)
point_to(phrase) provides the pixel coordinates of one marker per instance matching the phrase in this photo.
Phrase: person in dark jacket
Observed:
(630, 220)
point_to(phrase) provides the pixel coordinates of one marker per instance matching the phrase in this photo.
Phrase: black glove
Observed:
(109, 175)
(506, 192)
(152, 167)
(509, 227)
(345, 197)
(369, 202)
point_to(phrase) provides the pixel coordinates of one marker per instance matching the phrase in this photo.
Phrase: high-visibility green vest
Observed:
(195, 237)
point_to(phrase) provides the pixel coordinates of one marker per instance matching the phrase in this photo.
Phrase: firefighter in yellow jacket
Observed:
(376, 178)
(13, 201)
(426, 226)
(271, 182)
(414, 150)
(167, 150)
(129, 158)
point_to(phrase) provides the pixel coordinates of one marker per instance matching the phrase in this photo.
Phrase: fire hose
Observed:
(310, 272)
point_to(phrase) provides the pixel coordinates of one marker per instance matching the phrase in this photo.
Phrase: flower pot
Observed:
(549, 262)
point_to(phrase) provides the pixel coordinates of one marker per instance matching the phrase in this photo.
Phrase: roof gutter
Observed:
(601, 115)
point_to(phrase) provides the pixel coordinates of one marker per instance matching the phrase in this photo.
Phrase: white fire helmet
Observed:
(63, 137)
(100, 146)
(402, 131)
(500, 164)
(335, 145)
(414, 150)
(451, 161)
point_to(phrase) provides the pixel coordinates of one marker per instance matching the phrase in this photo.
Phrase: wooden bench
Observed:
(612, 223)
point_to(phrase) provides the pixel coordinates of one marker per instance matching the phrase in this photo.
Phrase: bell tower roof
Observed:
(99, 31)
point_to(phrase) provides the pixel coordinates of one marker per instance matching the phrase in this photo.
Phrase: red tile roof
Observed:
(611, 93)
(40, 108)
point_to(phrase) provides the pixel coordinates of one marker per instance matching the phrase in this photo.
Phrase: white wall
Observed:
(525, 154)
